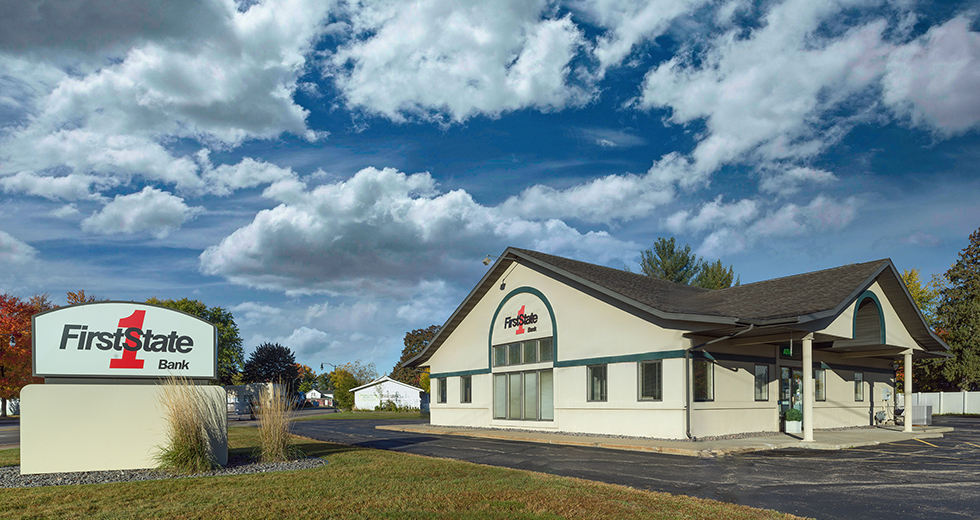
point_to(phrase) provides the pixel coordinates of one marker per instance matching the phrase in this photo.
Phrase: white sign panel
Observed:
(123, 340)
(523, 317)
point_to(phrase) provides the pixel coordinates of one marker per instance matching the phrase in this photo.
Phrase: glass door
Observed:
(790, 389)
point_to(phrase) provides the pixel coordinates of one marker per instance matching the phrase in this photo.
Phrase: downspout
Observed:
(687, 372)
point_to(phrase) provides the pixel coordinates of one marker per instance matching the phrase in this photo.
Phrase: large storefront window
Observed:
(528, 396)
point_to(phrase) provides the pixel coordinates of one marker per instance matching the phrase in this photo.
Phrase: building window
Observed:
(441, 390)
(597, 382)
(651, 380)
(819, 384)
(545, 352)
(704, 380)
(500, 355)
(526, 352)
(466, 389)
(762, 382)
(859, 386)
(524, 396)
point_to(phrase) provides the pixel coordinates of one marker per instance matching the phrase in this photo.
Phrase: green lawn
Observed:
(360, 483)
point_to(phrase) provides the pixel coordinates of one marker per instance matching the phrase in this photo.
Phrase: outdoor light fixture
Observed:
(13, 342)
(486, 261)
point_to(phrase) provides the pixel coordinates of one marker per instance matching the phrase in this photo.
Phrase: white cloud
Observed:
(306, 341)
(359, 315)
(71, 187)
(14, 251)
(248, 173)
(611, 138)
(820, 215)
(66, 211)
(629, 23)
(786, 182)
(767, 94)
(934, 80)
(610, 198)
(920, 238)
(221, 75)
(151, 210)
(455, 59)
(713, 214)
(382, 232)
(255, 313)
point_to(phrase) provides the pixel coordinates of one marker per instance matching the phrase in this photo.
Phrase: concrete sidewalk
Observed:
(824, 440)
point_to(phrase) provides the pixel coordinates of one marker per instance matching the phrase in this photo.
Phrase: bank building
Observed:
(554, 344)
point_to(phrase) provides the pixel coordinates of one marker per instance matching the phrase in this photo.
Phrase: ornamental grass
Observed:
(193, 423)
(275, 444)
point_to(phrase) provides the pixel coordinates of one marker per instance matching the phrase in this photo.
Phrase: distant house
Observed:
(386, 390)
(317, 398)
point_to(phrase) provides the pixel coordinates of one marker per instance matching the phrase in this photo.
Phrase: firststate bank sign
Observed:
(123, 340)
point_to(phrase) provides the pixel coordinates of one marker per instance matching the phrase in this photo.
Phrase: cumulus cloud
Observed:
(934, 80)
(629, 23)
(610, 198)
(820, 215)
(713, 214)
(771, 107)
(450, 59)
(71, 187)
(210, 72)
(14, 251)
(151, 210)
(382, 232)
(786, 182)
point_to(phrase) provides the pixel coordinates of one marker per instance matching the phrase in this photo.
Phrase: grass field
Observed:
(360, 483)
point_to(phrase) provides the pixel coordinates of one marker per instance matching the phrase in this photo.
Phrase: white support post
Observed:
(808, 388)
(908, 390)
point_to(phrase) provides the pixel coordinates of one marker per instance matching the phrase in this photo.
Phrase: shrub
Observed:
(274, 441)
(193, 423)
(794, 415)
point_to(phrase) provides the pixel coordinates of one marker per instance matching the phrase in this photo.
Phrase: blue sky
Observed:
(333, 172)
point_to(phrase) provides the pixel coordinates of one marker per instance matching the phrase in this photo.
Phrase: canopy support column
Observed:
(808, 388)
(908, 390)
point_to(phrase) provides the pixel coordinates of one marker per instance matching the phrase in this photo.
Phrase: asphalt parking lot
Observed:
(934, 478)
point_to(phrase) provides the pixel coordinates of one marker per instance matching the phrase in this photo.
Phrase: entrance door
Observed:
(790, 389)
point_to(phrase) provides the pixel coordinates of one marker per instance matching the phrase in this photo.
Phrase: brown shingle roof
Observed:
(786, 297)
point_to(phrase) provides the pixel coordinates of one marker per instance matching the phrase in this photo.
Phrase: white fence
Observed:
(945, 402)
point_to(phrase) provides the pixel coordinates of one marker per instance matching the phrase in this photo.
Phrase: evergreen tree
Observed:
(667, 262)
(415, 341)
(958, 317)
(715, 276)
(272, 362)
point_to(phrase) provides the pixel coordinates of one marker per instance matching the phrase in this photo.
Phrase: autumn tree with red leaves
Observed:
(16, 368)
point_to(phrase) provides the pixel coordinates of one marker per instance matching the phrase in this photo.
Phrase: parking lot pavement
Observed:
(927, 478)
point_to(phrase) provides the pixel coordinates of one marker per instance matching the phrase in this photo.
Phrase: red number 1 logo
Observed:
(134, 320)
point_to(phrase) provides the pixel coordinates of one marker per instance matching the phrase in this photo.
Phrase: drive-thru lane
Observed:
(938, 478)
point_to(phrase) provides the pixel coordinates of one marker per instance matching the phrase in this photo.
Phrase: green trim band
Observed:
(547, 304)
(460, 373)
(881, 315)
(647, 356)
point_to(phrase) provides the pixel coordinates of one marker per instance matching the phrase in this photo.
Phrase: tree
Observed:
(74, 298)
(230, 352)
(16, 367)
(348, 376)
(415, 342)
(307, 378)
(715, 276)
(343, 381)
(667, 262)
(958, 317)
(272, 362)
(925, 296)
